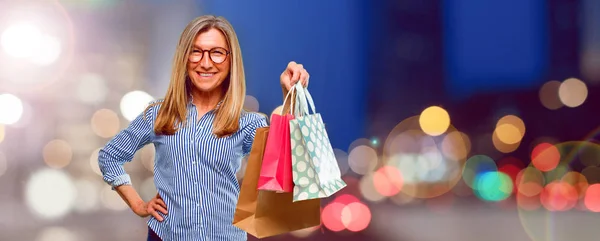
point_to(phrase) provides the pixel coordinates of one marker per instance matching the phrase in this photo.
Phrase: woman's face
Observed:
(209, 63)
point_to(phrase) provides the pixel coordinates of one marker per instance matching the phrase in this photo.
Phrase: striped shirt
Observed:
(194, 172)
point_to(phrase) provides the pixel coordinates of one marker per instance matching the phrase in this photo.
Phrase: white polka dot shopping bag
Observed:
(316, 173)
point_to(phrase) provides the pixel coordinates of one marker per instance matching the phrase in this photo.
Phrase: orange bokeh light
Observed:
(388, 181)
(545, 157)
(559, 196)
(592, 198)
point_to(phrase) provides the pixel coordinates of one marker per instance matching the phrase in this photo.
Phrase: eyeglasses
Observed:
(217, 55)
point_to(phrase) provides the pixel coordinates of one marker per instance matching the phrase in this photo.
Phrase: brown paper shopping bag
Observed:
(266, 213)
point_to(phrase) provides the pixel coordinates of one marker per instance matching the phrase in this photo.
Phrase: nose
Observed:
(205, 62)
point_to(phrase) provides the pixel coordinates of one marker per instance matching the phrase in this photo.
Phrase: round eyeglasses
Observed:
(217, 55)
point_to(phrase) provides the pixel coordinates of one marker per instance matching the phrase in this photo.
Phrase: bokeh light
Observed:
(50, 193)
(530, 182)
(134, 103)
(94, 162)
(559, 196)
(105, 123)
(592, 198)
(578, 181)
(48, 51)
(356, 216)
(88, 191)
(388, 181)
(92, 89)
(475, 166)
(502, 146)
(545, 157)
(429, 165)
(456, 145)
(549, 95)
(2, 132)
(11, 109)
(57, 153)
(510, 129)
(251, 103)
(592, 174)
(493, 186)
(363, 159)
(434, 120)
(367, 189)
(572, 92)
(332, 216)
(21, 40)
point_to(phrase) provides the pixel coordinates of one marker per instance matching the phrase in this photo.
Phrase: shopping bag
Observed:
(316, 173)
(266, 213)
(276, 171)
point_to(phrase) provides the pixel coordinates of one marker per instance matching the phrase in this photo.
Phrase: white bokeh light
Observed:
(11, 109)
(50, 193)
(92, 89)
(133, 103)
(88, 198)
(21, 40)
(48, 51)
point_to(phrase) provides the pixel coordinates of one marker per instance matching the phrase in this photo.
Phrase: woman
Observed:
(200, 134)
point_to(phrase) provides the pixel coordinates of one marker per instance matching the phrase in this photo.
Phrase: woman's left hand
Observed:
(292, 74)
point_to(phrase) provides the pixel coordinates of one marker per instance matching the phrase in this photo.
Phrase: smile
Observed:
(206, 74)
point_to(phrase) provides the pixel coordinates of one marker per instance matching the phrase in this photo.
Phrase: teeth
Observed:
(206, 74)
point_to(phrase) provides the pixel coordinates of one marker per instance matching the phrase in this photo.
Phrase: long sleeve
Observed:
(123, 147)
(255, 121)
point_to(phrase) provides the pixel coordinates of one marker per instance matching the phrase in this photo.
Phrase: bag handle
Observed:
(289, 95)
(302, 97)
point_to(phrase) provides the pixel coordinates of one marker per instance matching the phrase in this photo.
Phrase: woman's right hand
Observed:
(153, 206)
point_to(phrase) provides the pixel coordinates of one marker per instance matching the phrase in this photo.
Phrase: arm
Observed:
(256, 121)
(121, 150)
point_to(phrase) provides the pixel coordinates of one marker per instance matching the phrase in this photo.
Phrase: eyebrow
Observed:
(198, 47)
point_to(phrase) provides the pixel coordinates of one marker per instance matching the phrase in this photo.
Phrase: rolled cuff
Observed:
(124, 179)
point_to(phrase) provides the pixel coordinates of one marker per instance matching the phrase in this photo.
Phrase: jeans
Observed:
(152, 235)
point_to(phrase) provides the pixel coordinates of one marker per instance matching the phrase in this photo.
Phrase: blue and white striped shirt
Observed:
(194, 172)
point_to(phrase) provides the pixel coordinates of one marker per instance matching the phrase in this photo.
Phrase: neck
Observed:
(207, 101)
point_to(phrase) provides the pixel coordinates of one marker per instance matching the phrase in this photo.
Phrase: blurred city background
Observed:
(454, 120)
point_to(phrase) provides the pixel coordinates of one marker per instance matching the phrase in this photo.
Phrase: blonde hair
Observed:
(173, 110)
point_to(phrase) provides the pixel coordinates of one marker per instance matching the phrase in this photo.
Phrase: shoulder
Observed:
(252, 118)
(152, 109)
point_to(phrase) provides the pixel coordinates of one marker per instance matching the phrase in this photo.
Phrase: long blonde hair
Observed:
(173, 109)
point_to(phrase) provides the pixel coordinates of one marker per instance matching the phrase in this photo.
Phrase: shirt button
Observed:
(194, 163)
(197, 204)
(196, 183)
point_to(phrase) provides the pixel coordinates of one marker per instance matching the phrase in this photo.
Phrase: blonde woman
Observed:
(200, 134)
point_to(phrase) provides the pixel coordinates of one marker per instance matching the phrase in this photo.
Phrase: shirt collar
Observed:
(191, 102)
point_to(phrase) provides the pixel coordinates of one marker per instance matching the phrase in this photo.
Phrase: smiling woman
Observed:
(200, 133)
